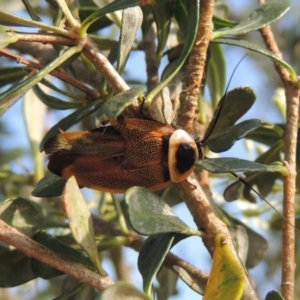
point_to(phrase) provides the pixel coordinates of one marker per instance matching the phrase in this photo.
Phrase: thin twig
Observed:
(45, 38)
(92, 94)
(292, 93)
(33, 249)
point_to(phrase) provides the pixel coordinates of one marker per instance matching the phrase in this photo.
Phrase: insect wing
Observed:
(127, 153)
(104, 142)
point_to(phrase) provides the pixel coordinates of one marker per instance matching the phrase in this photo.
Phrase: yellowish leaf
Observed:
(227, 278)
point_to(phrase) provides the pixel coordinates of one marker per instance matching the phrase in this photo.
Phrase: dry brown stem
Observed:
(33, 249)
(292, 93)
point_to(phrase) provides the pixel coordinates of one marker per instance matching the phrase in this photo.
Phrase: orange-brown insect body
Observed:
(127, 153)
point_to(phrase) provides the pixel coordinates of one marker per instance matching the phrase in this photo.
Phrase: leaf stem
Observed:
(71, 20)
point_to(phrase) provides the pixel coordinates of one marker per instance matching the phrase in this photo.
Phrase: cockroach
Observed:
(128, 152)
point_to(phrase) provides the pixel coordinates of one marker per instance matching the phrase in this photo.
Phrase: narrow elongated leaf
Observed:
(259, 18)
(12, 74)
(113, 107)
(112, 7)
(34, 16)
(149, 214)
(193, 12)
(6, 38)
(54, 102)
(11, 96)
(216, 73)
(70, 120)
(181, 15)
(152, 255)
(81, 223)
(223, 141)
(34, 130)
(131, 22)
(123, 291)
(233, 165)
(231, 107)
(258, 49)
(227, 279)
(49, 186)
(162, 13)
(86, 11)
(10, 19)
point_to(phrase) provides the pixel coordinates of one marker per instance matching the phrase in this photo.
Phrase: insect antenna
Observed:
(221, 103)
(262, 198)
(210, 130)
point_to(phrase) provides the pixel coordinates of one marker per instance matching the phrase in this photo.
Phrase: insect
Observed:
(126, 153)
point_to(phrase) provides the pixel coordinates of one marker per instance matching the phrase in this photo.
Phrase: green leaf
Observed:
(181, 15)
(162, 13)
(16, 268)
(49, 186)
(222, 22)
(112, 7)
(216, 73)
(231, 107)
(151, 256)
(11, 74)
(256, 244)
(104, 43)
(258, 49)
(224, 140)
(34, 16)
(193, 8)
(6, 38)
(70, 120)
(274, 295)
(191, 280)
(86, 11)
(45, 271)
(80, 221)
(13, 20)
(12, 95)
(264, 182)
(149, 214)
(20, 214)
(227, 279)
(233, 165)
(54, 102)
(268, 133)
(259, 18)
(34, 130)
(131, 22)
(113, 107)
(167, 280)
(123, 291)
(240, 241)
